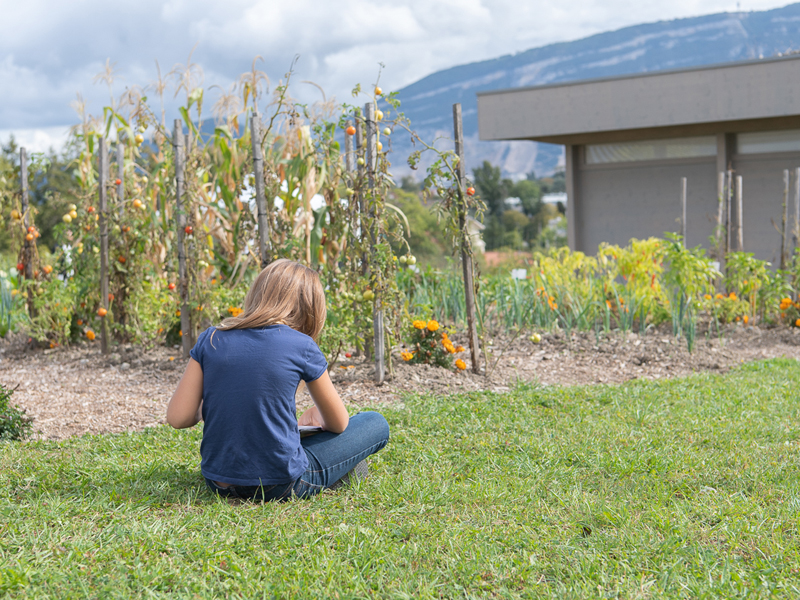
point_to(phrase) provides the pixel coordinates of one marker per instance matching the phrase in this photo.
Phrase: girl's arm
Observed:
(328, 411)
(184, 408)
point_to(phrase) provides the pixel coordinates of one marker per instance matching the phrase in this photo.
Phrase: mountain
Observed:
(677, 44)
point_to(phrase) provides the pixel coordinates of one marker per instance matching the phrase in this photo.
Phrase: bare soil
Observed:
(75, 391)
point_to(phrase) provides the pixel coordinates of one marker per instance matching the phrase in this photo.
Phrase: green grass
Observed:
(684, 488)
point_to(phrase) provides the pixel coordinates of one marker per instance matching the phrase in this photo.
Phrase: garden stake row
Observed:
(784, 218)
(683, 209)
(180, 219)
(102, 207)
(466, 254)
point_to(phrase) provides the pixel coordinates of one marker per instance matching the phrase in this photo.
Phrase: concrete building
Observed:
(630, 140)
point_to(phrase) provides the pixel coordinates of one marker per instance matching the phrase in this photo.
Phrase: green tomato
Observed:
(387, 131)
(369, 295)
(412, 260)
(403, 260)
(536, 338)
(360, 162)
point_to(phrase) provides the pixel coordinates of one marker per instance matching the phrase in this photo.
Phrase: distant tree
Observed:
(492, 187)
(530, 195)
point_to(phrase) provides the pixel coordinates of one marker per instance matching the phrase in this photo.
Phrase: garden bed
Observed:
(73, 391)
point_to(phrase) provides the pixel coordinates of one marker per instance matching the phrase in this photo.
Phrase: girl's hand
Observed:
(311, 417)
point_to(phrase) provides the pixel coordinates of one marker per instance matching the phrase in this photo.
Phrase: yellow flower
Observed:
(235, 310)
(462, 365)
(433, 325)
(419, 324)
(707, 296)
(406, 355)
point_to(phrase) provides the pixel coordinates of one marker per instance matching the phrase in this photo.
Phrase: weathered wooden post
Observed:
(466, 256)
(797, 207)
(178, 142)
(102, 182)
(683, 210)
(720, 211)
(728, 216)
(264, 250)
(784, 218)
(121, 176)
(27, 221)
(377, 311)
(739, 213)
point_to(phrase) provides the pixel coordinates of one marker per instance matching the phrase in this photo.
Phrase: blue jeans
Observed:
(330, 457)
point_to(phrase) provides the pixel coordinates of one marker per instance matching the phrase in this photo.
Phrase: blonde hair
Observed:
(285, 292)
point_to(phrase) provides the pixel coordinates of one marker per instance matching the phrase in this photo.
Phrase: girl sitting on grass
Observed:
(241, 380)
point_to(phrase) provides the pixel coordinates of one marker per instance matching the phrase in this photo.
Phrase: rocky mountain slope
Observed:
(677, 44)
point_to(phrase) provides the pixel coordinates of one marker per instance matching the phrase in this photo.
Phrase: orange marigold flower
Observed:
(433, 325)
(406, 355)
(797, 323)
(732, 296)
(719, 296)
(461, 364)
(460, 349)
(746, 319)
(419, 324)
(90, 334)
(608, 304)
(707, 296)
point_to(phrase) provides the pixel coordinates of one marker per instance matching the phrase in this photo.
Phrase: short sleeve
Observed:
(198, 350)
(315, 364)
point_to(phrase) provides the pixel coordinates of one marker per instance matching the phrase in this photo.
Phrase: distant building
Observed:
(630, 140)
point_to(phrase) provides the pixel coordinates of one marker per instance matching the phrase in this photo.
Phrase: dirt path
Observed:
(74, 391)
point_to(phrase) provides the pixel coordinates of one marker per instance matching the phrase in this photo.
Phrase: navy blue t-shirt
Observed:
(250, 377)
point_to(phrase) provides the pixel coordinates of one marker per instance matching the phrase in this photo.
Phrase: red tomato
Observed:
(20, 267)
(470, 191)
(347, 355)
(118, 182)
(189, 230)
(171, 286)
(351, 130)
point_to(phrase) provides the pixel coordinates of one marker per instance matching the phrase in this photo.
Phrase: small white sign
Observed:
(519, 273)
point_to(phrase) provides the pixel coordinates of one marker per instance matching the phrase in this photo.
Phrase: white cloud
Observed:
(50, 50)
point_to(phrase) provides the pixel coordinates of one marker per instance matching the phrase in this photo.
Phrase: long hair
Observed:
(284, 292)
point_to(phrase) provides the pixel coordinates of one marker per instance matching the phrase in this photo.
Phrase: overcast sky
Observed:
(51, 50)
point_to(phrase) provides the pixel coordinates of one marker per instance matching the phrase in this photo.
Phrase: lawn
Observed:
(682, 488)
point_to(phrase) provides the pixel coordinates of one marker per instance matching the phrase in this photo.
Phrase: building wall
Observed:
(616, 202)
(762, 200)
(643, 199)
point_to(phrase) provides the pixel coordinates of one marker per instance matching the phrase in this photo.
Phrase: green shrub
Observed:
(14, 424)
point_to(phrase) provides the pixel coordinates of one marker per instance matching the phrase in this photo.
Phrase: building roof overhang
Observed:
(758, 95)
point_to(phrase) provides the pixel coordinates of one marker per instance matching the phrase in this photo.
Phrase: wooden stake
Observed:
(178, 142)
(466, 256)
(739, 213)
(121, 177)
(728, 219)
(797, 208)
(683, 210)
(720, 211)
(261, 201)
(784, 218)
(103, 221)
(27, 221)
(377, 313)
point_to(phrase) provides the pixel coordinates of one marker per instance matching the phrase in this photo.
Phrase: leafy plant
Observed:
(14, 423)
